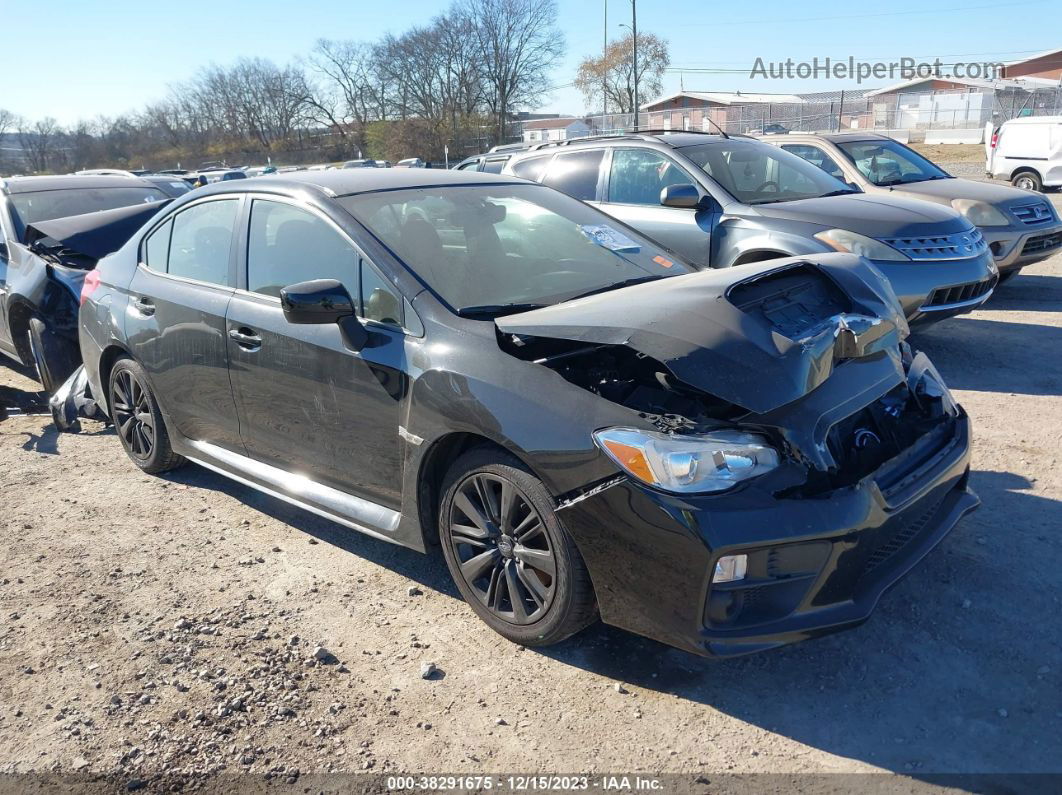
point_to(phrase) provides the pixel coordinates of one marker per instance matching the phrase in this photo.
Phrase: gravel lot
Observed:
(155, 627)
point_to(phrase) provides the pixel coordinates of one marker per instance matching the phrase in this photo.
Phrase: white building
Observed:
(555, 129)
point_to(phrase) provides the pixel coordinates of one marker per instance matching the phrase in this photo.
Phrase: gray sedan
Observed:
(1020, 226)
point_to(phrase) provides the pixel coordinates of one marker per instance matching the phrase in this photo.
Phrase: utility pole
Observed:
(634, 43)
(604, 71)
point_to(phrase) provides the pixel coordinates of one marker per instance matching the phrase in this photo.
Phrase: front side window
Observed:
(890, 162)
(638, 176)
(379, 301)
(201, 241)
(816, 157)
(575, 173)
(758, 173)
(287, 245)
(493, 249)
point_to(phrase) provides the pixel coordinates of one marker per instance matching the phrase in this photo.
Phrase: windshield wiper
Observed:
(840, 192)
(617, 285)
(496, 310)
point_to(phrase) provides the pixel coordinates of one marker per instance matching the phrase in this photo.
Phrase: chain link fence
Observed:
(951, 116)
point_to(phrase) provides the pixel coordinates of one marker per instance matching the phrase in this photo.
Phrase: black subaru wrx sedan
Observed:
(724, 460)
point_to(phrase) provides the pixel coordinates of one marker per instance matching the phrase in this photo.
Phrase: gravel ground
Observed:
(186, 625)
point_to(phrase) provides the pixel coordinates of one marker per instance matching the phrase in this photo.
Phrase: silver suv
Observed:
(722, 201)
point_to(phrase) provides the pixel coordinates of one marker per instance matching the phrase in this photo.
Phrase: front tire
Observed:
(138, 420)
(509, 555)
(1028, 180)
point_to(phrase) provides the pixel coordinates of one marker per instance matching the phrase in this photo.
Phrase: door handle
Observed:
(246, 338)
(144, 306)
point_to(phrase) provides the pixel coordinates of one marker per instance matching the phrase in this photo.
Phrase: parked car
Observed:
(260, 171)
(723, 460)
(1018, 227)
(722, 201)
(1026, 151)
(774, 129)
(411, 162)
(360, 163)
(167, 182)
(52, 232)
(490, 163)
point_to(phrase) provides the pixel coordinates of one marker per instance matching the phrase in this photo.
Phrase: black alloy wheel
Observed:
(131, 412)
(505, 554)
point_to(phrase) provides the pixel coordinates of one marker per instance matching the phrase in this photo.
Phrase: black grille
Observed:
(960, 245)
(960, 293)
(1036, 214)
(1034, 245)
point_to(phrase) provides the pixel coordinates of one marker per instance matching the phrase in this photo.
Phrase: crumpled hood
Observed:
(758, 336)
(874, 215)
(95, 234)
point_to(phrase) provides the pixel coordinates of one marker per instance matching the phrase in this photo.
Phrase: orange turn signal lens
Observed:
(630, 458)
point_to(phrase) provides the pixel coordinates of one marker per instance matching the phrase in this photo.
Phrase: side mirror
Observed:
(324, 301)
(686, 196)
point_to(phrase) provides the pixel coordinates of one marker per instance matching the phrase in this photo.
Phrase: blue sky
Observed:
(76, 60)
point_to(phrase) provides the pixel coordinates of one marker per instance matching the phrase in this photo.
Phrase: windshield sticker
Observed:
(663, 262)
(607, 237)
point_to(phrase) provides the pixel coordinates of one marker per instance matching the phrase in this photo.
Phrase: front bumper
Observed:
(1013, 247)
(817, 564)
(924, 287)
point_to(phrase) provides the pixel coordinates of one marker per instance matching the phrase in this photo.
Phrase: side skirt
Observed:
(356, 513)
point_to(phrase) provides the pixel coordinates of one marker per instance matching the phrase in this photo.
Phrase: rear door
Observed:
(632, 193)
(176, 319)
(307, 403)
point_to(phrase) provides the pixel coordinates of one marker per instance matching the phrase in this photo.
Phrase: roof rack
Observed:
(638, 135)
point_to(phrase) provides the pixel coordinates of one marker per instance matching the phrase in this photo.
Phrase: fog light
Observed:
(730, 568)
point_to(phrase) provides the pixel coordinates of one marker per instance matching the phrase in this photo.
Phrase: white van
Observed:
(1026, 151)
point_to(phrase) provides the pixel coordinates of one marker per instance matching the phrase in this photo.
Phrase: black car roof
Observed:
(837, 138)
(344, 182)
(69, 182)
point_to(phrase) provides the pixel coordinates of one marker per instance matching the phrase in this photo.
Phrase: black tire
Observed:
(138, 420)
(53, 356)
(515, 592)
(1028, 180)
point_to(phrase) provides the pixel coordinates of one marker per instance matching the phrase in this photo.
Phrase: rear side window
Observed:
(157, 247)
(495, 166)
(201, 240)
(288, 245)
(575, 173)
(531, 168)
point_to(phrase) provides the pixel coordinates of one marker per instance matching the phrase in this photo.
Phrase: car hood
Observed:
(944, 190)
(873, 215)
(759, 336)
(94, 235)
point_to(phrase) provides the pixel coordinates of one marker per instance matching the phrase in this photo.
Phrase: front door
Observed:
(632, 194)
(176, 319)
(308, 404)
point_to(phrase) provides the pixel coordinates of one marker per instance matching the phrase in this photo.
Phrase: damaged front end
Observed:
(803, 456)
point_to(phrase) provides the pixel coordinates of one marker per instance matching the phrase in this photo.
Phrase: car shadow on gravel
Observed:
(930, 684)
(427, 570)
(988, 355)
(1030, 293)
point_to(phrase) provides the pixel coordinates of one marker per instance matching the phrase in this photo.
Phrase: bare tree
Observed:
(519, 42)
(37, 141)
(7, 121)
(611, 76)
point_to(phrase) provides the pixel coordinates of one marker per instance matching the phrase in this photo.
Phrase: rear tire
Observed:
(52, 356)
(1028, 180)
(138, 420)
(509, 555)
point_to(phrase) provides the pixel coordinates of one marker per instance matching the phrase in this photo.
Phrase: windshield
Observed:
(46, 205)
(757, 173)
(494, 249)
(890, 162)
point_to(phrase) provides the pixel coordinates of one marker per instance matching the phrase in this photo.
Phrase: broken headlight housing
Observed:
(705, 463)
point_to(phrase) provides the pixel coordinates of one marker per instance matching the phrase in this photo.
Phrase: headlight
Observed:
(980, 213)
(711, 462)
(852, 243)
